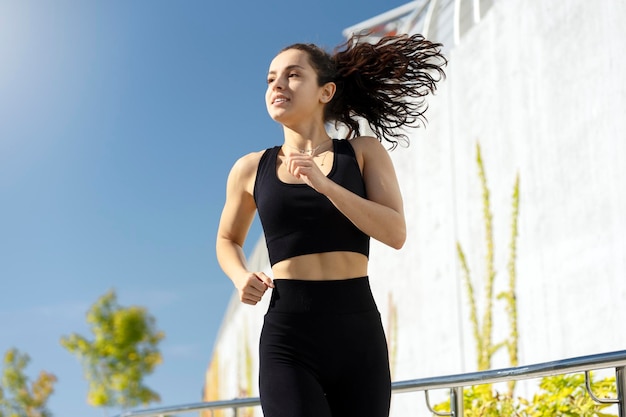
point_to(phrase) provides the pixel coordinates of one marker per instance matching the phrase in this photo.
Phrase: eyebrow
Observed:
(290, 67)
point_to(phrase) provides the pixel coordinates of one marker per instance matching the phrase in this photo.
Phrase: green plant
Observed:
(484, 401)
(20, 397)
(561, 395)
(565, 395)
(483, 328)
(123, 351)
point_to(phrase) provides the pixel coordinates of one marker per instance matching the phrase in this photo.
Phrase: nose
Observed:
(279, 83)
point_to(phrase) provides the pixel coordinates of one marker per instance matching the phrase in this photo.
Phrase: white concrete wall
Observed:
(541, 84)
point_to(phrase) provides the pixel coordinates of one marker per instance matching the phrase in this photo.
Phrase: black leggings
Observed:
(323, 351)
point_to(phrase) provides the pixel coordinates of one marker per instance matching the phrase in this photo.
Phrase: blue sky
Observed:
(119, 122)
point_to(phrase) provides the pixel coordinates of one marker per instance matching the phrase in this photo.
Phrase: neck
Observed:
(306, 139)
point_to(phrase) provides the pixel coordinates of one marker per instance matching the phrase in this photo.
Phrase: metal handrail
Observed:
(559, 367)
(454, 382)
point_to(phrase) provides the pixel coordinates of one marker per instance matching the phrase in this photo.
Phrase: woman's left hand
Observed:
(303, 167)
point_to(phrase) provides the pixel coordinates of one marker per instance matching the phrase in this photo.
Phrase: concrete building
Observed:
(541, 86)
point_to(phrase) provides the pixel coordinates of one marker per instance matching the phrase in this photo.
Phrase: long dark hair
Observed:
(384, 83)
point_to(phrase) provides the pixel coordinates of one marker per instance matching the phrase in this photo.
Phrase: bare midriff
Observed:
(322, 266)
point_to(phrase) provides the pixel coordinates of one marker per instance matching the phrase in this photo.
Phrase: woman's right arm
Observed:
(237, 215)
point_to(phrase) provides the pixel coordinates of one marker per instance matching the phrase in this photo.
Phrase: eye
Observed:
(294, 74)
(270, 80)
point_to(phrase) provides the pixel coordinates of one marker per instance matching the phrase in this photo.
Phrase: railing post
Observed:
(456, 401)
(620, 381)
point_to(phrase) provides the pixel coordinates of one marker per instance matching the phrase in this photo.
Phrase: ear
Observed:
(328, 92)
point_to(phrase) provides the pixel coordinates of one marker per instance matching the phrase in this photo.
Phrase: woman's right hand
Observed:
(237, 215)
(252, 286)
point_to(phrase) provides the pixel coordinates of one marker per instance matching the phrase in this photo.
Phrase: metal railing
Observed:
(455, 383)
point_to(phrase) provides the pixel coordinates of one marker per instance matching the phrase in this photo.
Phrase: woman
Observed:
(323, 351)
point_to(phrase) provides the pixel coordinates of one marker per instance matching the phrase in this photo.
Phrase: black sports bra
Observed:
(297, 220)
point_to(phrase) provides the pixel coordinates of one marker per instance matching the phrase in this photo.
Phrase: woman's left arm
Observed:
(381, 215)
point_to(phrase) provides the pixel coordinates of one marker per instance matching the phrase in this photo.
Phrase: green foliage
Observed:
(484, 356)
(483, 327)
(124, 350)
(561, 395)
(483, 401)
(565, 395)
(18, 396)
(509, 296)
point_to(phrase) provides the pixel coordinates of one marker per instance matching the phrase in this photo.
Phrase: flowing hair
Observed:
(384, 83)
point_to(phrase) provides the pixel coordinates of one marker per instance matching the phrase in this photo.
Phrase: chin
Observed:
(278, 117)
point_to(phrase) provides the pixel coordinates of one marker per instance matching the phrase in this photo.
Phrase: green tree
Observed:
(123, 351)
(18, 396)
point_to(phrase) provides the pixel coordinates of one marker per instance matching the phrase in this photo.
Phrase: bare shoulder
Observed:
(367, 146)
(243, 172)
(248, 164)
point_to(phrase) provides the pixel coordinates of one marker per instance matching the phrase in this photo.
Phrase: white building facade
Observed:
(541, 86)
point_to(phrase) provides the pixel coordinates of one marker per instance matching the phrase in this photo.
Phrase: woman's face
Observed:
(293, 93)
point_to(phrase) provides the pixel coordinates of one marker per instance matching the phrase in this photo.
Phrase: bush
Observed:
(560, 395)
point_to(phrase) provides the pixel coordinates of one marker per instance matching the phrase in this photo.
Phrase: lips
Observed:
(279, 99)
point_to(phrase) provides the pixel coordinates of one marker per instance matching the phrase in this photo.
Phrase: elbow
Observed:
(222, 245)
(399, 233)
(218, 245)
(391, 233)
(398, 243)
(398, 239)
